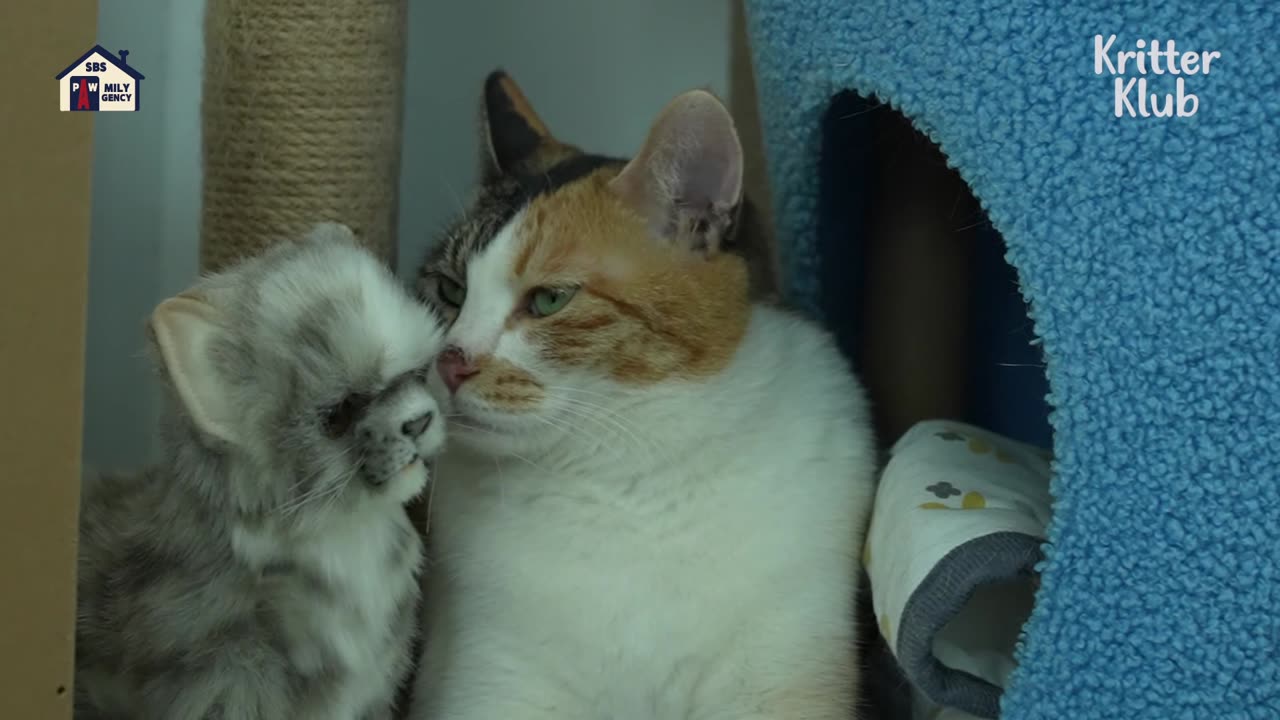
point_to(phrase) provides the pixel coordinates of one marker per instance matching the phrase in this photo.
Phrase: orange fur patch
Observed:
(505, 386)
(644, 312)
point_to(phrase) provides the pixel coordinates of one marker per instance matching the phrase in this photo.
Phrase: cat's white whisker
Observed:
(502, 481)
(601, 415)
(453, 192)
(513, 454)
(584, 391)
(605, 426)
(317, 494)
(567, 428)
(298, 503)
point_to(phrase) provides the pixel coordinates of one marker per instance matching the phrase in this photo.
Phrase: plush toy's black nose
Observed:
(415, 427)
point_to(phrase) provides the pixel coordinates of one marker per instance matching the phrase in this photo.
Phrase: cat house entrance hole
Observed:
(913, 281)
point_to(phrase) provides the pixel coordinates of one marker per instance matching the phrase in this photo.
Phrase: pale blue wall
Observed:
(146, 203)
(597, 71)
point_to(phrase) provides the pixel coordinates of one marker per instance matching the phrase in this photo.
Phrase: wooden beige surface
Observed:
(44, 208)
(744, 105)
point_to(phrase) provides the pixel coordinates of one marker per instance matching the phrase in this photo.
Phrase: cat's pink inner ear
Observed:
(184, 328)
(687, 178)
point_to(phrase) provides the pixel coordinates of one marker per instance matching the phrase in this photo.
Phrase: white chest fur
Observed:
(709, 574)
(339, 604)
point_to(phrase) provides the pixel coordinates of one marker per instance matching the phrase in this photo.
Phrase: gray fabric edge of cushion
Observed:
(939, 597)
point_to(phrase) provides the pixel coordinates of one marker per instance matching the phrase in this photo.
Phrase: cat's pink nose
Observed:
(455, 368)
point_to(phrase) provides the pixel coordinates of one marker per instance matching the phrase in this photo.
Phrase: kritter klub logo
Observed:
(99, 82)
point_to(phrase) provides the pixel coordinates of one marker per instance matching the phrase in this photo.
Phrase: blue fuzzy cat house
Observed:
(1128, 155)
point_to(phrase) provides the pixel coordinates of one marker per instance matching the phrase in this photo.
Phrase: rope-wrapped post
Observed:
(301, 121)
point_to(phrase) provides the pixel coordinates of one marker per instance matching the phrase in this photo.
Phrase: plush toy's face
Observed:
(310, 363)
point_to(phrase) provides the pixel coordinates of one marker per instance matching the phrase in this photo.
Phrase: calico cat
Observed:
(656, 489)
(266, 567)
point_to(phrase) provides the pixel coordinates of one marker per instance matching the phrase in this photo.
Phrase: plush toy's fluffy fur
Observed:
(266, 568)
(656, 489)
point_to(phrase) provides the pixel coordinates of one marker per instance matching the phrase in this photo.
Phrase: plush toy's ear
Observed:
(515, 139)
(331, 231)
(185, 329)
(686, 181)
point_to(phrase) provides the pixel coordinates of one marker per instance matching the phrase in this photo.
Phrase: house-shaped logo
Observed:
(99, 82)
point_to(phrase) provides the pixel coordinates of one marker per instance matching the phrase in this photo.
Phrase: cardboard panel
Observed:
(744, 105)
(44, 212)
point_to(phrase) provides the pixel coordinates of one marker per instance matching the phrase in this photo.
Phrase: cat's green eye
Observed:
(548, 301)
(451, 292)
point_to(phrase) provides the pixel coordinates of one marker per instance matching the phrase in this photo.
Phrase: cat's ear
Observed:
(515, 139)
(185, 329)
(686, 181)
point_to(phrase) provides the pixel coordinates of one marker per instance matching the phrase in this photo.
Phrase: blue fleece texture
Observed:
(1148, 249)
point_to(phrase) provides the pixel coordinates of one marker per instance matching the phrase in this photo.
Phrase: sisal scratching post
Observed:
(301, 120)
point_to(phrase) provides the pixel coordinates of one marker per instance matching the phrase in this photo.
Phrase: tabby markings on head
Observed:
(571, 267)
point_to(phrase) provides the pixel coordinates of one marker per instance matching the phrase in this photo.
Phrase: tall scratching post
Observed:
(301, 116)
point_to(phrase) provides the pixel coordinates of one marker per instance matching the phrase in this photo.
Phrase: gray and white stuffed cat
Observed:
(266, 568)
